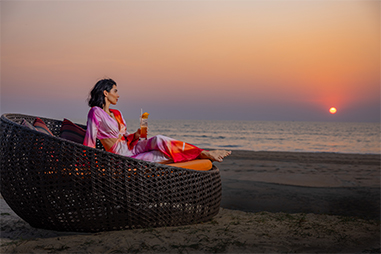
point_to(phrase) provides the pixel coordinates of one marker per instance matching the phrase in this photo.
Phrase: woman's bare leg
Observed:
(214, 155)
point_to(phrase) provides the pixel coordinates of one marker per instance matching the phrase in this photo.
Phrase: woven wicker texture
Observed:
(56, 184)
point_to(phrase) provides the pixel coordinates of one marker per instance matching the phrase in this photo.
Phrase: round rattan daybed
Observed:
(56, 184)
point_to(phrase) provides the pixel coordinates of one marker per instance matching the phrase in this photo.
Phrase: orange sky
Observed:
(254, 60)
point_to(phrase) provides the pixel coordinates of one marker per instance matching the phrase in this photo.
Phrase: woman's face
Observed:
(112, 96)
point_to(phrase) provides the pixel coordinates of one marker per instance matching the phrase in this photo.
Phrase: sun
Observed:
(332, 110)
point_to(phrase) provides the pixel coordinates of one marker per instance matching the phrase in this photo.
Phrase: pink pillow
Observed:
(27, 124)
(41, 126)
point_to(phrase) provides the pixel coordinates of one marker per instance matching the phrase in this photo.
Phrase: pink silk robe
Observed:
(159, 148)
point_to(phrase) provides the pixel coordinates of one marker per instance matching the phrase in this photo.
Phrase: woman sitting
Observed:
(109, 126)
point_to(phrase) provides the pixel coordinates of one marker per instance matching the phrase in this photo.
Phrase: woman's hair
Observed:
(97, 97)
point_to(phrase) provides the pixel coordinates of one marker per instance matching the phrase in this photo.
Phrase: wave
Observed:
(230, 146)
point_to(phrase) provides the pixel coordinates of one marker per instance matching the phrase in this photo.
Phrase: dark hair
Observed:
(97, 97)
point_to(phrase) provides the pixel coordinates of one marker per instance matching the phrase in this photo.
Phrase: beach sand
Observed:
(272, 202)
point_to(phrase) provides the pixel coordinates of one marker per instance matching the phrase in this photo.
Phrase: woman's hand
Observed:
(137, 134)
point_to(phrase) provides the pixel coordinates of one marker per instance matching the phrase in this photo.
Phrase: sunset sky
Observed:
(223, 60)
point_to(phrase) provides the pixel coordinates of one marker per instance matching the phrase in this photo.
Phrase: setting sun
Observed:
(332, 110)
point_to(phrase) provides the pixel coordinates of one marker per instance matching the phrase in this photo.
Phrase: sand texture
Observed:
(272, 202)
(321, 183)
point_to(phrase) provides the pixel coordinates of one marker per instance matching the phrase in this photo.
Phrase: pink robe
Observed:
(159, 148)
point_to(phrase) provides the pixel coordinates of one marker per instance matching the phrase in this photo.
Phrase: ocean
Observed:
(337, 137)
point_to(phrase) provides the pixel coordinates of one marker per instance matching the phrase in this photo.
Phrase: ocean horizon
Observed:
(287, 136)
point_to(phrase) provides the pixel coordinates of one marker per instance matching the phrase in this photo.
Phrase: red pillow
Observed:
(72, 132)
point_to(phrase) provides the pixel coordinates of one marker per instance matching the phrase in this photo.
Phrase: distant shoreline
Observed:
(245, 153)
(313, 152)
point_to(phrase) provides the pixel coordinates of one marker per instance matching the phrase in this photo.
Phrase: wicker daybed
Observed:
(56, 184)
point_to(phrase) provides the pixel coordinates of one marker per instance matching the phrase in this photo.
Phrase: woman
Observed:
(109, 126)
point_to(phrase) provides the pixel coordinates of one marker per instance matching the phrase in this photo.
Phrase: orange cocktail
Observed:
(144, 125)
(143, 131)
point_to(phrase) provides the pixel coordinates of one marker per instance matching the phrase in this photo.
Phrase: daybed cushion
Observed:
(72, 132)
(41, 126)
(199, 164)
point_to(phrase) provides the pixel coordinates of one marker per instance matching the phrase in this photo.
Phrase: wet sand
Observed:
(272, 202)
(320, 183)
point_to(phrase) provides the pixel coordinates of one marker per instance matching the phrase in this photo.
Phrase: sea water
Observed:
(338, 137)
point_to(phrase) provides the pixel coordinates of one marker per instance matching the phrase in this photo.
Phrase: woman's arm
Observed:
(132, 139)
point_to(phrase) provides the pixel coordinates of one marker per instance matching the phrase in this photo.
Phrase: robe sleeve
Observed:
(93, 120)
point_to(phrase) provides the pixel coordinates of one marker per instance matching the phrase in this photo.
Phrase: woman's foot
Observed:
(214, 155)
